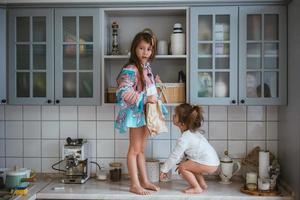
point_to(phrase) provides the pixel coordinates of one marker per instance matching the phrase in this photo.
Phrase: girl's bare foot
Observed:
(139, 190)
(150, 186)
(201, 181)
(192, 190)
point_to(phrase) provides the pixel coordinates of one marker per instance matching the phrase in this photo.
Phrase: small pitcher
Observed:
(226, 168)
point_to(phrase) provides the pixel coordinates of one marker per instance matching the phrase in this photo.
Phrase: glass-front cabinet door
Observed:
(77, 56)
(262, 50)
(31, 65)
(2, 56)
(213, 39)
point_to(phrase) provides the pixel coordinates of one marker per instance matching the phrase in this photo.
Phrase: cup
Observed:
(162, 47)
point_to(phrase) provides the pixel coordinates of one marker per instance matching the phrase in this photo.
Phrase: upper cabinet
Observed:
(31, 60)
(77, 56)
(238, 55)
(263, 55)
(214, 55)
(71, 75)
(168, 64)
(2, 56)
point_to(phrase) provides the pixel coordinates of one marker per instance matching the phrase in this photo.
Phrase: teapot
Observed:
(227, 167)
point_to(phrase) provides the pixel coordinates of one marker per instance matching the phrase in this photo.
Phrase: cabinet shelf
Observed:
(157, 57)
(259, 56)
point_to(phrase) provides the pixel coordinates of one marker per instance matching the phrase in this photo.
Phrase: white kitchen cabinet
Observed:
(2, 56)
(31, 63)
(131, 21)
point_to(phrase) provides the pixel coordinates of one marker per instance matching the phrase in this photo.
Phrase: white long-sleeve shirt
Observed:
(196, 148)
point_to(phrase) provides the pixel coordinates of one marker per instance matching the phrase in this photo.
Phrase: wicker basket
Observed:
(172, 93)
(111, 95)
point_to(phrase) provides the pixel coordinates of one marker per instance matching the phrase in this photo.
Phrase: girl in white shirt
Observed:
(201, 156)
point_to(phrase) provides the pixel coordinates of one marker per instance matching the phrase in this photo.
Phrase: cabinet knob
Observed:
(49, 101)
(3, 101)
(233, 101)
(242, 101)
(57, 101)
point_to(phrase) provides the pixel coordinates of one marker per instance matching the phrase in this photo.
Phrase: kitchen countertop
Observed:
(94, 189)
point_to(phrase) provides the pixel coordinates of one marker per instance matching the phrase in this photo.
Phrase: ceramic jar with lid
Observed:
(227, 168)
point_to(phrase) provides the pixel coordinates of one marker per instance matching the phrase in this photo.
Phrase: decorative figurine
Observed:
(115, 45)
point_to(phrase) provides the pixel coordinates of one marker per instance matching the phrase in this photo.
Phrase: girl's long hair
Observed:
(148, 38)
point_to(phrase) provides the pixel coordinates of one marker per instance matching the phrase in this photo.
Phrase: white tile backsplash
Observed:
(217, 113)
(14, 148)
(256, 113)
(252, 144)
(105, 112)
(272, 113)
(33, 163)
(2, 129)
(272, 130)
(32, 112)
(121, 148)
(161, 148)
(86, 113)
(272, 146)
(50, 148)
(68, 112)
(106, 148)
(105, 130)
(68, 129)
(12, 162)
(237, 149)
(32, 129)
(2, 148)
(237, 113)
(50, 129)
(14, 129)
(2, 112)
(236, 128)
(32, 148)
(236, 131)
(50, 112)
(218, 130)
(87, 129)
(256, 131)
(13, 112)
(2, 162)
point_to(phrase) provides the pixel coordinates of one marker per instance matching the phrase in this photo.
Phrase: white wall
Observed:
(289, 116)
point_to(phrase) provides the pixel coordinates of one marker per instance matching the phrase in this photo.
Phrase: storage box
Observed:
(111, 95)
(174, 93)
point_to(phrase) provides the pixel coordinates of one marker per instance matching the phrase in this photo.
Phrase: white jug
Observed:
(226, 168)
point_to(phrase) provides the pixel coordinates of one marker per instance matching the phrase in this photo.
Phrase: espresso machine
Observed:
(75, 153)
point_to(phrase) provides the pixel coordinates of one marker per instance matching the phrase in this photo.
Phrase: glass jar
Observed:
(115, 171)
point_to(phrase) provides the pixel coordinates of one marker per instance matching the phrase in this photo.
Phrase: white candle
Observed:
(251, 177)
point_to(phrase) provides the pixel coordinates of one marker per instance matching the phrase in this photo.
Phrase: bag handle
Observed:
(162, 88)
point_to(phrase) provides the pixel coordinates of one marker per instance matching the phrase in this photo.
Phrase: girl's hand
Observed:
(163, 176)
(152, 99)
(157, 79)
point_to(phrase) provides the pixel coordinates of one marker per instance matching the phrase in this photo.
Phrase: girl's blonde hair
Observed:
(191, 116)
(148, 38)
